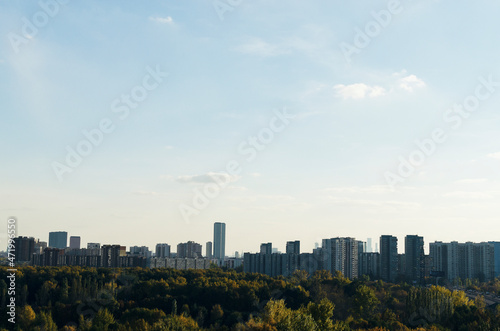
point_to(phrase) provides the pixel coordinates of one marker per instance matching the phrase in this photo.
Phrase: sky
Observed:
(140, 123)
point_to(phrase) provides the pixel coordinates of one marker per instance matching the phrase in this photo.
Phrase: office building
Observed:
(388, 258)
(162, 250)
(414, 262)
(219, 241)
(58, 239)
(74, 242)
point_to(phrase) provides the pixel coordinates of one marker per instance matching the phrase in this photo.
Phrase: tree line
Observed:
(80, 298)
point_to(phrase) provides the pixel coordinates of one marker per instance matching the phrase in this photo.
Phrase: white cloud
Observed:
(374, 203)
(495, 156)
(209, 177)
(147, 193)
(471, 181)
(358, 91)
(467, 195)
(389, 85)
(410, 83)
(257, 46)
(376, 189)
(162, 20)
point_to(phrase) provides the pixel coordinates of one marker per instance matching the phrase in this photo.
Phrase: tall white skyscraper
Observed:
(369, 245)
(219, 241)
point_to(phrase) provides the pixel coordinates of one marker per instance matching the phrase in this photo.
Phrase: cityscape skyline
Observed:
(352, 258)
(277, 247)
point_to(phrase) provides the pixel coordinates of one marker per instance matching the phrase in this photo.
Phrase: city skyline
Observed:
(276, 247)
(455, 261)
(281, 244)
(143, 123)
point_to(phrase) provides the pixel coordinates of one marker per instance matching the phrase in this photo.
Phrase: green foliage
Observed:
(166, 299)
(365, 302)
(44, 322)
(26, 317)
(322, 313)
(150, 316)
(102, 321)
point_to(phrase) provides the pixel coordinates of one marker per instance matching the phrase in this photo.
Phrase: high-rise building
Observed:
(341, 254)
(24, 248)
(266, 248)
(369, 248)
(292, 257)
(162, 250)
(208, 250)
(369, 264)
(40, 246)
(74, 242)
(189, 250)
(111, 255)
(265, 259)
(414, 258)
(293, 247)
(219, 241)
(93, 249)
(361, 246)
(388, 258)
(58, 239)
(140, 251)
(496, 253)
(463, 260)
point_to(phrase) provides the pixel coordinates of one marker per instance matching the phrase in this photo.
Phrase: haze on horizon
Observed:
(305, 116)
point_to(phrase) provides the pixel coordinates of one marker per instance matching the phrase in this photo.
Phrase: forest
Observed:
(77, 298)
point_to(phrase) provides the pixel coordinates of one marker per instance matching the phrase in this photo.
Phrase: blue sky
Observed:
(323, 175)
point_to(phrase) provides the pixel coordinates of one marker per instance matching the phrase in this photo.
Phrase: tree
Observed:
(44, 321)
(149, 315)
(299, 276)
(174, 307)
(102, 320)
(26, 317)
(322, 275)
(185, 310)
(480, 303)
(322, 313)
(178, 323)
(365, 302)
(216, 313)
(64, 290)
